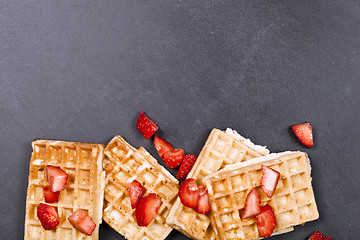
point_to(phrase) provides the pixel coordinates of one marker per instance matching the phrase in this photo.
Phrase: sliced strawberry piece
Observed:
(50, 196)
(189, 193)
(317, 236)
(266, 221)
(161, 145)
(252, 204)
(203, 205)
(173, 158)
(146, 209)
(146, 126)
(269, 180)
(135, 191)
(186, 166)
(56, 177)
(304, 133)
(48, 216)
(82, 222)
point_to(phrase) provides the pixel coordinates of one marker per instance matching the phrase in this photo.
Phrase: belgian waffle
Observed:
(84, 189)
(123, 164)
(220, 149)
(293, 202)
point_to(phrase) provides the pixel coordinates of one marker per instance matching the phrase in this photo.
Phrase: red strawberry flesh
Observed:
(186, 166)
(269, 180)
(304, 133)
(203, 205)
(266, 221)
(56, 177)
(189, 193)
(146, 126)
(50, 196)
(328, 238)
(135, 191)
(82, 222)
(173, 158)
(161, 145)
(146, 209)
(252, 204)
(317, 236)
(48, 216)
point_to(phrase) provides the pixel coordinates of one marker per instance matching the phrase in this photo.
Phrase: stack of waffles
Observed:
(220, 150)
(230, 167)
(84, 189)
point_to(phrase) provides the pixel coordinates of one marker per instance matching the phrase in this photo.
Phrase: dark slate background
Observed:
(83, 70)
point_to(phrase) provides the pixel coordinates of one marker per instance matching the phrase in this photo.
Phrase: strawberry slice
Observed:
(189, 193)
(56, 177)
(161, 145)
(269, 180)
(252, 204)
(186, 166)
(317, 236)
(266, 221)
(50, 196)
(82, 222)
(135, 191)
(173, 158)
(146, 126)
(48, 216)
(146, 209)
(203, 205)
(304, 133)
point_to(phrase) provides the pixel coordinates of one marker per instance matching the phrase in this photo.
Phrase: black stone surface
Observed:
(83, 70)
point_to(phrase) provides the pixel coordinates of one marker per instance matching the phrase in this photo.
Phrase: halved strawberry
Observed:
(56, 177)
(50, 196)
(186, 166)
(135, 191)
(146, 126)
(146, 209)
(252, 204)
(203, 205)
(189, 193)
(266, 221)
(48, 216)
(161, 145)
(269, 180)
(82, 222)
(317, 236)
(173, 158)
(304, 133)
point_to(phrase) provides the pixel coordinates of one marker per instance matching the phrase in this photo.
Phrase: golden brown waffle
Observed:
(84, 188)
(123, 164)
(293, 201)
(220, 149)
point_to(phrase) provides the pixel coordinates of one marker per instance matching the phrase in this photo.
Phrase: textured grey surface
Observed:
(83, 70)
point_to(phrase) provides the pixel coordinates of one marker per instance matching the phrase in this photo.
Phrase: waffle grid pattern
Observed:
(123, 164)
(220, 149)
(84, 189)
(293, 201)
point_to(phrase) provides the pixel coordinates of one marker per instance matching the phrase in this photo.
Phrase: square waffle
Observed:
(220, 149)
(84, 189)
(123, 164)
(293, 202)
